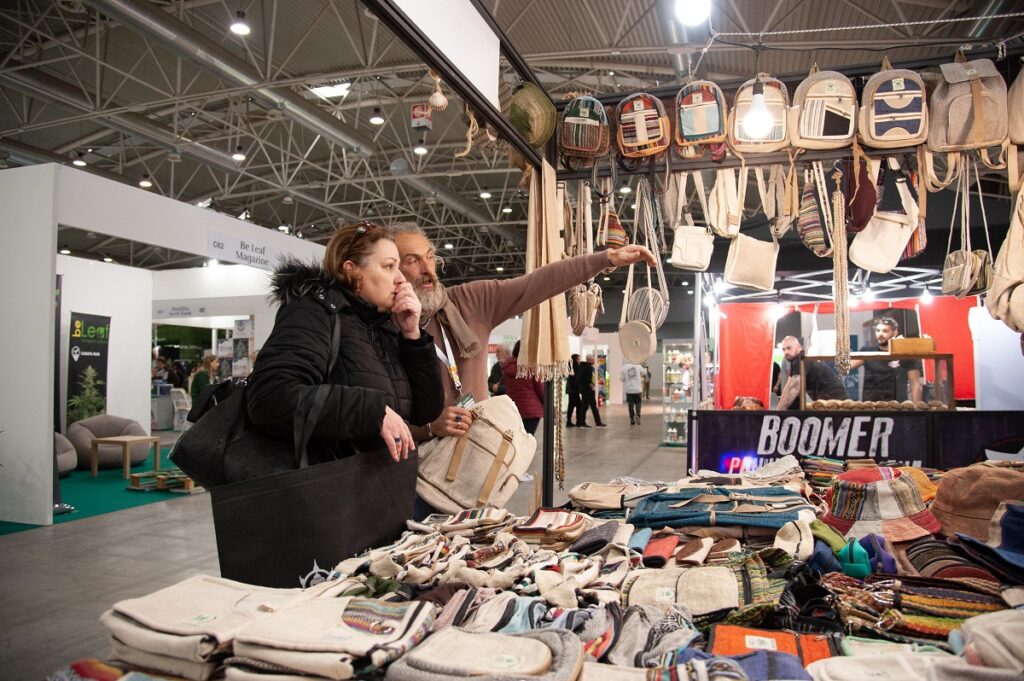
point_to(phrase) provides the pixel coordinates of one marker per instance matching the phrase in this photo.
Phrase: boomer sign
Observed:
(736, 441)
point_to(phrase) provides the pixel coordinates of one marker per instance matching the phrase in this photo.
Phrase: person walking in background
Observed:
(527, 393)
(645, 380)
(573, 391)
(632, 384)
(496, 380)
(204, 375)
(588, 396)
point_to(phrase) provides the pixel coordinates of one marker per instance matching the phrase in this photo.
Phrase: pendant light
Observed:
(377, 118)
(693, 12)
(240, 26)
(757, 122)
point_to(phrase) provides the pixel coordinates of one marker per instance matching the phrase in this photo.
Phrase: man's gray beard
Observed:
(431, 300)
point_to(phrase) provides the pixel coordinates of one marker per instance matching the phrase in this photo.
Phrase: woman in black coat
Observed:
(385, 374)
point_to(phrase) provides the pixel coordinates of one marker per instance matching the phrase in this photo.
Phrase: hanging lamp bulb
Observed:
(240, 26)
(757, 121)
(693, 12)
(377, 118)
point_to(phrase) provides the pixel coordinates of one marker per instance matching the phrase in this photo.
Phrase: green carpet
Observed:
(103, 494)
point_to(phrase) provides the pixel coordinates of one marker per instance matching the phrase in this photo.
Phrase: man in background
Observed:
(633, 385)
(822, 381)
(588, 395)
(889, 380)
(573, 391)
(496, 381)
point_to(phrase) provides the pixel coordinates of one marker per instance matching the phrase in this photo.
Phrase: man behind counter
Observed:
(889, 380)
(822, 381)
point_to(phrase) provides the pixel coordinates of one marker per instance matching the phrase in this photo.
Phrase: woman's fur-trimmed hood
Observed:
(294, 278)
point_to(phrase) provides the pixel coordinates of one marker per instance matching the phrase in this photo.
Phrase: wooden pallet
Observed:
(172, 480)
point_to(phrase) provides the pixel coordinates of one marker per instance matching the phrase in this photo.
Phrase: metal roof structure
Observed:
(163, 89)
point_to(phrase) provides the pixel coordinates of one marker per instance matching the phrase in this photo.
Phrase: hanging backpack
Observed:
(1015, 128)
(776, 99)
(968, 107)
(1005, 297)
(584, 134)
(893, 111)
(701, 115)
(642, 126)
(824, 111)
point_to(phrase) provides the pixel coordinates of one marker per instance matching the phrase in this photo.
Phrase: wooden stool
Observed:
(126, 442)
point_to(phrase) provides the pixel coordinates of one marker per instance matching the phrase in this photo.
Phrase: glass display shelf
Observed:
(677, 390)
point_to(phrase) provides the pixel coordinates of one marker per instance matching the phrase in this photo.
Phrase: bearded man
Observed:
(461, 318)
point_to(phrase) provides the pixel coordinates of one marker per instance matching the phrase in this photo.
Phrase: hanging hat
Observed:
(878, 501)
(532, 114)
(1005, 547)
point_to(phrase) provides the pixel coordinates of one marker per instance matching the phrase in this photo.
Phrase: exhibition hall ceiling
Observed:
(165, 91)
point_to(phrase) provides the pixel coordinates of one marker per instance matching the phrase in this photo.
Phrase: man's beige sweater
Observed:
(487, 303)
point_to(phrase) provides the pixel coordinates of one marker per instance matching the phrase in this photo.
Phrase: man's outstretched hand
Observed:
(628, 255)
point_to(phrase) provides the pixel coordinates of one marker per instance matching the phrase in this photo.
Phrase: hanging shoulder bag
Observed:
(879, 246)
(692, 245)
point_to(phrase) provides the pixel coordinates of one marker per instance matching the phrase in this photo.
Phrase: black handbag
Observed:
(222, 446)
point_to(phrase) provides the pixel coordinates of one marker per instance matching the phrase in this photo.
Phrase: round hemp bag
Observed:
(638, 340)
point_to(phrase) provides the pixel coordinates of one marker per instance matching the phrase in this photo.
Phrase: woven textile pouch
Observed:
(770, 507)
(727, 639)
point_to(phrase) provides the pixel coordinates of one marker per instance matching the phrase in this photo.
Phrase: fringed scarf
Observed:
(544, 349)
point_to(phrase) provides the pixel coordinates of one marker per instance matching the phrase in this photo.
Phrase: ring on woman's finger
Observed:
(398, 440)
(458, 418)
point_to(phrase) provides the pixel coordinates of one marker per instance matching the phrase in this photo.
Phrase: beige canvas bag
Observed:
(482, 467)
(776, 100)
(692, 245)
(968, 107)
(893, 111)
(824, 111)
(1015, 129)
(1005, 297)
(751, 263)
(880, 245)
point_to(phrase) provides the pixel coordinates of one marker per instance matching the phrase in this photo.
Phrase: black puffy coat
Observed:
(376, 367)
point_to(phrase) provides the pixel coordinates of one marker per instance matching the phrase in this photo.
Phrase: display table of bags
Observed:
(882, 574)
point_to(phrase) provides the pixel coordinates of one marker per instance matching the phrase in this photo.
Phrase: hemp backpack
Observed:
(701, 117)
(968, 107)
(1005, 297)
(482, 467)
(584, 133)
(1015, 128)
(824, 111)
(776, 98)
(893, 111)
(642, 126)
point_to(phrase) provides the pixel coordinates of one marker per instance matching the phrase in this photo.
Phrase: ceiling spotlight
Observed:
(869, 295)
(625, 189)
(449, 246)
(853, 301)
(65, 251)
(145, 182)
(693, 12)
(377, 118)
(689, 293)
(499, 268)
(240, 26)
(926, 295)
(287, 200)
(239, 155)
(107, 258)
(212, 262)
(685, 283)
(506, 210)
(421, 148)
(485, 195)
(611, 73)
(300, 235)
(607, 278)
(720, 286)
(633, 205)
(283, 229)
(79, 161)
(758, 122)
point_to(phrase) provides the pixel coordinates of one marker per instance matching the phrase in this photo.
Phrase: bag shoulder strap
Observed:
(311, 404)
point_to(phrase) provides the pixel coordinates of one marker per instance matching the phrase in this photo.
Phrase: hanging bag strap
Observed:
(981, 204)
(311, 403)
(826, 205)
(606, 211)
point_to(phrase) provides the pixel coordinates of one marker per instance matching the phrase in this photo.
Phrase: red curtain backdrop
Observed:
(944, 319)
(746, 340)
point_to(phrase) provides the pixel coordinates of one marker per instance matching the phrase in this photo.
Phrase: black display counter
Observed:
(734, 441)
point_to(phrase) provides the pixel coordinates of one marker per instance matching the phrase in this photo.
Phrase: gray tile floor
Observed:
(56, 581)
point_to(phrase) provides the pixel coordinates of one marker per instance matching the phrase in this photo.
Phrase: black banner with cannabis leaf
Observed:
(87, 366)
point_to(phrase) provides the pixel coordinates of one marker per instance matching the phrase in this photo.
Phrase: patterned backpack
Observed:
(824, 112)
(893, 110)
(776, 99)
(584, 134)
(642, 126)
(701, 116)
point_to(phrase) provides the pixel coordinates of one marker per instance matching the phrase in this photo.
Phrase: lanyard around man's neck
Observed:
(448, 357)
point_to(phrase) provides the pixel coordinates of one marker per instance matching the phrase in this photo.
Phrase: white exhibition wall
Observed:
(998, 363)
(28, 236)
(99, 288)
(33, 202)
